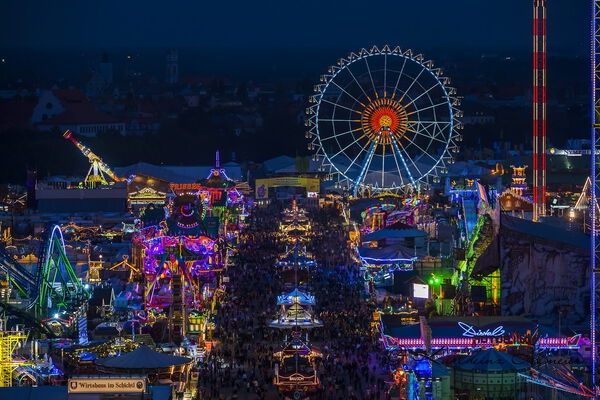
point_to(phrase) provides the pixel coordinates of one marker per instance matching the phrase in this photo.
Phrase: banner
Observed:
(107, 385)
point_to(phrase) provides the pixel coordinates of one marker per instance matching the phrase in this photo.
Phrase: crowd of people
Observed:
(241, 366)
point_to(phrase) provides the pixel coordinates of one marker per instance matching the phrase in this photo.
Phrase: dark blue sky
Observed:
(415, 23)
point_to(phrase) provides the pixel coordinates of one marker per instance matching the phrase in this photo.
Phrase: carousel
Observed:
(296, 311)
(295, 368)
(180, 261)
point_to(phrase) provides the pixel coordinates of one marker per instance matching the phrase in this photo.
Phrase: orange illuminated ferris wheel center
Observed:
(383, 120)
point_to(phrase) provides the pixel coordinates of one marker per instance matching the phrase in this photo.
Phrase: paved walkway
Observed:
(241, 366)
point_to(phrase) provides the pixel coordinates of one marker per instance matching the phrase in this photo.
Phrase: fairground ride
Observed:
(97, 167)
(53, 289)
(563, 381)
(9, 340)
(295, 369)
(223, 205)
(180, 262)
(384, 120)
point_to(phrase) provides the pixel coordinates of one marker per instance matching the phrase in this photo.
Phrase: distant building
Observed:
(172, 67)
(59, 197)
(105, 68)
(141, 126)
(64, 109)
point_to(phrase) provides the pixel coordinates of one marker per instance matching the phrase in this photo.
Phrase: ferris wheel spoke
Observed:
(340, 134)
(418, 128)
(421, 95)
(430, 122)
(371, 77)
(347, 147)
(362, 149)
(348, 94)
(399, 152)
(357, 83)
(438, 130)
(338, 105)
(412, 83)
(384, 75)
(419, 147)
(428, 136)
(338, 120)
(401, 146)
(418, 110)
(399, 77)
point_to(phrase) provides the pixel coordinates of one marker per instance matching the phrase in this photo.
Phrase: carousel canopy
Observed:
(296, 296)
(491, 360)
(143, 358)
(386, 255)
(295, 224)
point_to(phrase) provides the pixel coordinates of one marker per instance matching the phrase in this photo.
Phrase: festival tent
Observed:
(143, 358)
(491, 360)
(387, 233)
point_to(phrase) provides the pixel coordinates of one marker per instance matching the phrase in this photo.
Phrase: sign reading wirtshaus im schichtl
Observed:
(107, 385)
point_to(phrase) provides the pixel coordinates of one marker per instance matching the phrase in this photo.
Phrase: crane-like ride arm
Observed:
(98, 167)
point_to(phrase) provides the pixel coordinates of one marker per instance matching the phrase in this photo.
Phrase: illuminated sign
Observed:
(107, 385)
(420, 291)
(186, 186)
(470, 331)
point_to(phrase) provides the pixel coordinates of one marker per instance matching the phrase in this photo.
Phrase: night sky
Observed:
(310, 23)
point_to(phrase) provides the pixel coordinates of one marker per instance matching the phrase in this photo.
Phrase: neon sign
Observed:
(469, 331)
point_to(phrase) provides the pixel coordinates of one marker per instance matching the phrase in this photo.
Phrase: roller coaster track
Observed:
(30, 320)
(54, 286)
(16, 274)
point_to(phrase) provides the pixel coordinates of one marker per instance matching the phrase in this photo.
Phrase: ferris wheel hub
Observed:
(383, 119)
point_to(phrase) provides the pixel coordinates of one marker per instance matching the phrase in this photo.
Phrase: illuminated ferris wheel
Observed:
(384, 119)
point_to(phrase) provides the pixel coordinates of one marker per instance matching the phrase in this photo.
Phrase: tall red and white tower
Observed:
(539, 108)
